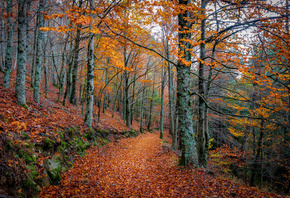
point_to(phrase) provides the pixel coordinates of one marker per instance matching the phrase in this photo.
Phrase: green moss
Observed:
(62, 147)
(104, 141)
(9, 144)
(134, 133)
(89, 135)
(106, 132)
(164, 142)
(25, 135)
(56, 176)
(27, 157)
(24, 105)
(127, 134)
(29, 185)
(48, 143)
(60, 133)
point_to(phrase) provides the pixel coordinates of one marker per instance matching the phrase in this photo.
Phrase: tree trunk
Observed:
(286, 136)
(127, 100)
(183, 106)
(33, 53)
(45, 78)
(68, 84)
(258, 153)
(141, 109)
(21, 52)
(126, 90)
(3, 32)
(73, 97)
(163, 78)
(99, 110)
(132, 109)
(175, 133)
(174, 119)
(151, 104)
(62, 73)
(8, 57)
(105, 92)
(90, 78)
(68, 79)
(39, 49)
(116, 100)
(170, 98)
(202, 158)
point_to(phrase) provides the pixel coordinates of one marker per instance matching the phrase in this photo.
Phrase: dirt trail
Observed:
(140, 167)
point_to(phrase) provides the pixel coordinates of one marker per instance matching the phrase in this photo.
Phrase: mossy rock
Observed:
(53, 168)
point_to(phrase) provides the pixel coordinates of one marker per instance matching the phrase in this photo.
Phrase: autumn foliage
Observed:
(211, 77)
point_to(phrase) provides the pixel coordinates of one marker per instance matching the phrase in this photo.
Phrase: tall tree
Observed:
(202, 155)
(8, 57)
(90, 76)
(21, 51)
(73, 94)
(163, 80)
(39, 51)
(183, 106)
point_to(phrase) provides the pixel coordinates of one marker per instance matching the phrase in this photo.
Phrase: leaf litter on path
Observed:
(139, 167)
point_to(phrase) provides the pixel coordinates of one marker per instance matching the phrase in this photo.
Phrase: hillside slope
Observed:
(31, 135)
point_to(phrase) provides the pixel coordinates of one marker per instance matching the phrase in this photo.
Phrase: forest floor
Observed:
(142, 167)
(25, 130)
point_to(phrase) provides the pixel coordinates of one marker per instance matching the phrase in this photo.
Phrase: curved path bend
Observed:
(141, 167)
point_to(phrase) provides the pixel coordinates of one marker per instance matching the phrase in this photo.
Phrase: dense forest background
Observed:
(216, 73)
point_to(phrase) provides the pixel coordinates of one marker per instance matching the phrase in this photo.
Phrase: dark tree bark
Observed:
(73, 95)
(183, 106)
(258, 153)
(8, 57)
(163, 79)
(39, 49)
(202, 157)
(21, 52)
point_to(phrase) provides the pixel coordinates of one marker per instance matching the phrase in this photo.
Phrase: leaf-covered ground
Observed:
(141, 167)
(49, 115)
(25, 129)
(40, 120)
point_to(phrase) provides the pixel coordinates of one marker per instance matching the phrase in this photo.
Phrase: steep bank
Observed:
(38, 142)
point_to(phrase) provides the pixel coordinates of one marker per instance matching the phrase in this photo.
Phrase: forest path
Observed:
(140, 167)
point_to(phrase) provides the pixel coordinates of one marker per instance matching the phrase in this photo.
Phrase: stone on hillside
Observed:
(52, 167)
